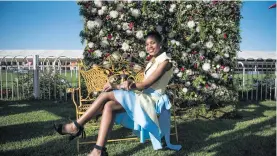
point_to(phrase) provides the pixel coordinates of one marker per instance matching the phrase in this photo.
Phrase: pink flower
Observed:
(225, 35)
(195, 65)
(149, 57)
(131, 25)
(202, 57)
(110, 36)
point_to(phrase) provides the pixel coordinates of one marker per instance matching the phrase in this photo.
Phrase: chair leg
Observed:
(78, 145)
(176, 132)
(174, 113)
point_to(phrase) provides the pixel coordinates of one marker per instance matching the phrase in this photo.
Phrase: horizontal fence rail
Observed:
(254, 78)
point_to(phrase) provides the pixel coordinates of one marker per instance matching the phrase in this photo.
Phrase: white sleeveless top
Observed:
(161, 83)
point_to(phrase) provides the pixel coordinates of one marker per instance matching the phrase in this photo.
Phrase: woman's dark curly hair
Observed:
(157, 36)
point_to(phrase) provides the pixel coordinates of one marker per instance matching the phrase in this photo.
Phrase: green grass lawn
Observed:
(27, 129)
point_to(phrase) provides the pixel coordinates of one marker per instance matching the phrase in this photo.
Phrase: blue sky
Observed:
(56, 25)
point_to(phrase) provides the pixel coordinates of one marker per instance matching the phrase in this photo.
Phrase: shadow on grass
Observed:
(63, 109)
(250, 135)
(231, 137)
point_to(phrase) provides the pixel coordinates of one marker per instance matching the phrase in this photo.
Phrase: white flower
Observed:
(116, 56)
(171, 34)
(90, 25)
(187, 83)
(118, 27)
(209, 44)
(185, 90)
(173, 41)
(185, 54)
(98, 3)
(218, 31)
(189, 6)
(213, 86)
(197, 29)
(121, 17)
(217, 58)
(101, 33)
(125, 26)
(104, 43)
(189, 72)
(90, 44)
(202, 52)
(98, 53)
(176, 70)
(142, 54)
(104, 8)
(215, 75)
(93, 10)
(139, 34)
(119, 7)
(206, 66)
(191, 24)
(106, 64)
(180, 74)
(159, 28)
(94, 24)
(100, 12)
(173, 6)
(98, 22)
(226, 55)
(193, 45)
(114, 14)
(135, 12)
(217, 66)
(125, 46)
(206, 1)
(226, 69)
(129, 32)
(137, 67)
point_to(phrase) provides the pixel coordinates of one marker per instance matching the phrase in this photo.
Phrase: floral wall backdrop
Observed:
(201, 36)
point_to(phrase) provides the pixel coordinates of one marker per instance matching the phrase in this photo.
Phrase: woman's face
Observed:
(152, 46)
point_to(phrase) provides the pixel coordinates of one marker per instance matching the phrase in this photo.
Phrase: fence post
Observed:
(36, 76)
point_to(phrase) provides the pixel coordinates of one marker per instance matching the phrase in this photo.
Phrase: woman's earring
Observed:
(160, 47)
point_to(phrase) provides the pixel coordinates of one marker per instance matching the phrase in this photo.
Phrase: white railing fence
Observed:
(25, 77)
(37, 77)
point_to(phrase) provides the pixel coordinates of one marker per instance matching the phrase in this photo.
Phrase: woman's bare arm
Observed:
(162, 68)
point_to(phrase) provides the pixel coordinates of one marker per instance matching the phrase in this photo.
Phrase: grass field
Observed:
(27, 129)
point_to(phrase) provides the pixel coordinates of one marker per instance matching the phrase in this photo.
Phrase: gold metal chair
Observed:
(95, 78)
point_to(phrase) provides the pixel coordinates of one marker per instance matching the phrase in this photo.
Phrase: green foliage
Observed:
(52, 85)
(201, 36)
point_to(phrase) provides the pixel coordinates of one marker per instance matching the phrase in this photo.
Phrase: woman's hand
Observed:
(126, 85)
(108, 87)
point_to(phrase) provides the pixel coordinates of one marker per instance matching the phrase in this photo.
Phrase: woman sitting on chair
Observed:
(140, 101)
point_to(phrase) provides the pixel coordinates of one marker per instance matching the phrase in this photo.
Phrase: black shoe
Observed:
(103, 150)
(80, 128)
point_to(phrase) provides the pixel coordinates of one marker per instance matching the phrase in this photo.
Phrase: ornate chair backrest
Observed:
(140, 76)
(95, 78)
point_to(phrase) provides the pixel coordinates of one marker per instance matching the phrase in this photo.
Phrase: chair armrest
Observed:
(71, 90)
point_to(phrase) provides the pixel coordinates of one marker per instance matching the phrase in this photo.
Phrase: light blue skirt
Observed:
(137, 119)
